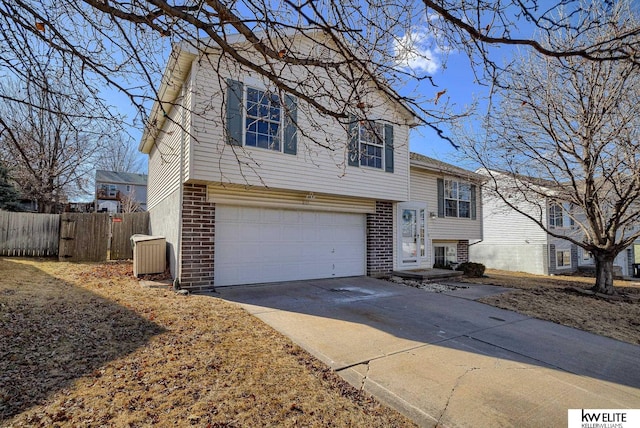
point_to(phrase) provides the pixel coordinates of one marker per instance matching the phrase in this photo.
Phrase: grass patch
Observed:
(86, 345)
(548, 298)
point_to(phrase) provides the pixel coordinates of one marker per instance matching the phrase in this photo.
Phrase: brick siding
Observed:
(380, 240)
(198, 238)
(463, 251)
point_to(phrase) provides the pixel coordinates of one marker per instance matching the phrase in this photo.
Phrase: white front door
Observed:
(411, 234)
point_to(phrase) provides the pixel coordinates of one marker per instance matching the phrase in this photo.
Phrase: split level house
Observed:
(120, 191)
(243, 193)
(514, 242)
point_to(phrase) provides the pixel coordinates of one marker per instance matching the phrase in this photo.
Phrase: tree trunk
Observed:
(604, 274)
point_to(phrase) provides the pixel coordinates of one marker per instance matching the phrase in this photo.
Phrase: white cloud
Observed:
(418, 51)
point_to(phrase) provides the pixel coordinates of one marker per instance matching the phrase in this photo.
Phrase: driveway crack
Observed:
(453, 390)
(364, 378)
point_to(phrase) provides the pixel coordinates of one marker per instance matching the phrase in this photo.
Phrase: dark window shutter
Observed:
(388, 148)
(290, 122)
(473, 202)
(354, 142)
(440, 197)
(234, 112)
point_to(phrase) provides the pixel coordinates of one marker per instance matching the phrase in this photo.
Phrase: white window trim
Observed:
(258, 86)
(381, 145)
(108, 188)
(587, 256)
(553, 219)
(445, 245)
(457, 199)
(562, 250)
(567, 222)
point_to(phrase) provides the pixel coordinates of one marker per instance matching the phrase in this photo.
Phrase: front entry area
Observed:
(255, 245)
(411, 235)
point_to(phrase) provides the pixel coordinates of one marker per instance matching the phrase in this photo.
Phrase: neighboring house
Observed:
(245, 197)
(120, 191)
(515, 242)
(446, 200)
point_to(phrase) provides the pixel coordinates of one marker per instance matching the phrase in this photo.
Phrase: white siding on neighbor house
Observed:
(313, 169)
(511, 241)
(531, 258)
(503, 225)
(424, 188)
(165, 155)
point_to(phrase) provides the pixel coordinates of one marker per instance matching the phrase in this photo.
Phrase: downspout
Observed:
(183, 118)
(481, 218)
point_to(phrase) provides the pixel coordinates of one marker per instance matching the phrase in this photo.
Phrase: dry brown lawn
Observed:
(551, 298)
(86, 345)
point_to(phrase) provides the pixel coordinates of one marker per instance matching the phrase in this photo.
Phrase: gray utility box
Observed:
(149, 254)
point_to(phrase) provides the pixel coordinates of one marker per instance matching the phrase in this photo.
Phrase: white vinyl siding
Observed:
(164, 162)
(165, 155)
(424, 188)
(273, 198)
(502, 222)
(511, 241)
(324, 169)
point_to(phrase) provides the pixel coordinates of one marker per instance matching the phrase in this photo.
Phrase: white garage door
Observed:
(256, 245)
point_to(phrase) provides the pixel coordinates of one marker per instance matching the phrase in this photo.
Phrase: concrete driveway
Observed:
(445, 359)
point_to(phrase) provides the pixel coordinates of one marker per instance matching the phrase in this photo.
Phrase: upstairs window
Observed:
(556, 215)
(263, 120)
(560, 215)
(371, 144)
(107, 191)
(260, 118)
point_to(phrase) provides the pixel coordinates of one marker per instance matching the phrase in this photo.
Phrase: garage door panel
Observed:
(266, 245)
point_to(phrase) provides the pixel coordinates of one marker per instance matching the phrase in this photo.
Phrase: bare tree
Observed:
(117, 42)
(49, 138)
(567, 130)
(128, 202)
(120, 155)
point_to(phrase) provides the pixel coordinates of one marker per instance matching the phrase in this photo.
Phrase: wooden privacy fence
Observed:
(71, 236)
(84, 237)
(28, 234)
(122, 227)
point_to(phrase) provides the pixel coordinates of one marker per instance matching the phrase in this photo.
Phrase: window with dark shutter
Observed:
(257, 118)
(370, 144)
(234, 112)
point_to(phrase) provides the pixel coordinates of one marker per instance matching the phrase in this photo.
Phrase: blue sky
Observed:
(459, 82)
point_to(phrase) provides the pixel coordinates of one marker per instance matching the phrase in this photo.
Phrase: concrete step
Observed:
(427, 274)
